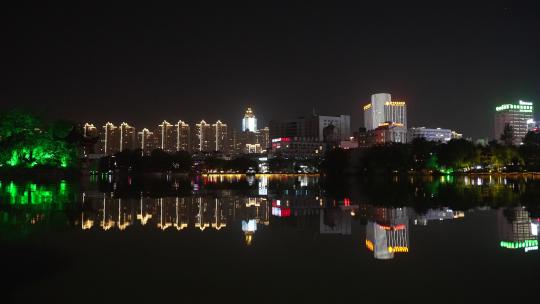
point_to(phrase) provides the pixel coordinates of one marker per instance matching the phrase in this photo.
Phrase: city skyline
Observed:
(451, 64)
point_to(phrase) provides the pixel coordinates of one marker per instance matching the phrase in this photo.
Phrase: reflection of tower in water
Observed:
(142, 216)
(249, 228)
(179, 212)
(517, 230)
(199, 223)
(388, 232)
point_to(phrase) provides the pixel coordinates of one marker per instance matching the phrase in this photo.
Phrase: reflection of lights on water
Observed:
(249, 225)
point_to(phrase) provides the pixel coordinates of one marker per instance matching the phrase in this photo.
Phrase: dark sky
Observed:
(451, 62)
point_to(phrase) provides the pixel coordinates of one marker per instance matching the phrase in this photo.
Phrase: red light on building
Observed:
(346, 201)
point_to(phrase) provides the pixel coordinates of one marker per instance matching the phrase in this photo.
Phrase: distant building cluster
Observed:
(385, 122)
(179, 136)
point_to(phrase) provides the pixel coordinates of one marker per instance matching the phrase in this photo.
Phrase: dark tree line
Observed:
(421, 156)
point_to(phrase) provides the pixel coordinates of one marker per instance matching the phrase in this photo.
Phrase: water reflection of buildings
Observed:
(439, 214)
(387, 232)
(200, 212)
(517, 230)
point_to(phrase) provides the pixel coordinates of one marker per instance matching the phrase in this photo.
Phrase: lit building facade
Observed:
(311, 127)
(297, 147)
(89, 130)
(516, 116)
(263, 138)
(429, 134)
(387, 133)
(147, 141)
(109, 139)
(127, 136)
(183, 136)
(382, 110)
(220, 137)
(204, 137)
(167, 138)
(249, 122)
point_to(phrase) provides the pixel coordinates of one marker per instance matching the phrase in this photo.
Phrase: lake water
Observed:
(270, 238)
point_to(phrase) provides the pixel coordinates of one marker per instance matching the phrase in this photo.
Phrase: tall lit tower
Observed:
(147, 141)
(249, 122)
(89, 130)
(182, 136)
(383, 110)
(166, 137)
(109, 139)
(204, 138)
(220, 132)
(127, 137)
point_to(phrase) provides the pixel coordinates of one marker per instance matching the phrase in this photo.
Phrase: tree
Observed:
(507, 137)
(27, 141)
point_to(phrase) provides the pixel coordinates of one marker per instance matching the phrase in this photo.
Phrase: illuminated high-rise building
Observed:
(516, 116)
(127, 136)
(90, 139)
(249, 122)
(167, 138)
(182, 136)
(203, 137)
(147, 141)
(263, 138)
(220, 136)
(89, 130)
(383, 110)
(110, 139)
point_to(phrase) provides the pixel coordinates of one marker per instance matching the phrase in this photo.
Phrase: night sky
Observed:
(452, 63)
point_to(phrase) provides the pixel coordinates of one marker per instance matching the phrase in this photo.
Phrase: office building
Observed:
(383, 110)
(167, 138)
(311, 127)
(263, 138)
(249, 122)
(516, 116)
(297, 148)
(110, 139)
(183, 136)
(127, 136)
(429, 134)
(532, 125)
(387, 133)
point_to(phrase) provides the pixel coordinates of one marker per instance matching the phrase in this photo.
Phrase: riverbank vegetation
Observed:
(421, 156)
(30, 144)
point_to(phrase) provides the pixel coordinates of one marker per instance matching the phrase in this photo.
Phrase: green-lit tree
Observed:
(27, 141)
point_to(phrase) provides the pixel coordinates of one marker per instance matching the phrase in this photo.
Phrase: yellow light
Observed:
(395, 103)
(398, 249)
(367, 107)
(369, 245)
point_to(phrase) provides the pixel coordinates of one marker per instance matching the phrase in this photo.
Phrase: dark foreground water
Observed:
(279, 239)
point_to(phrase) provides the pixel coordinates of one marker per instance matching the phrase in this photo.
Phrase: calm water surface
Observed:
(270, 239)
